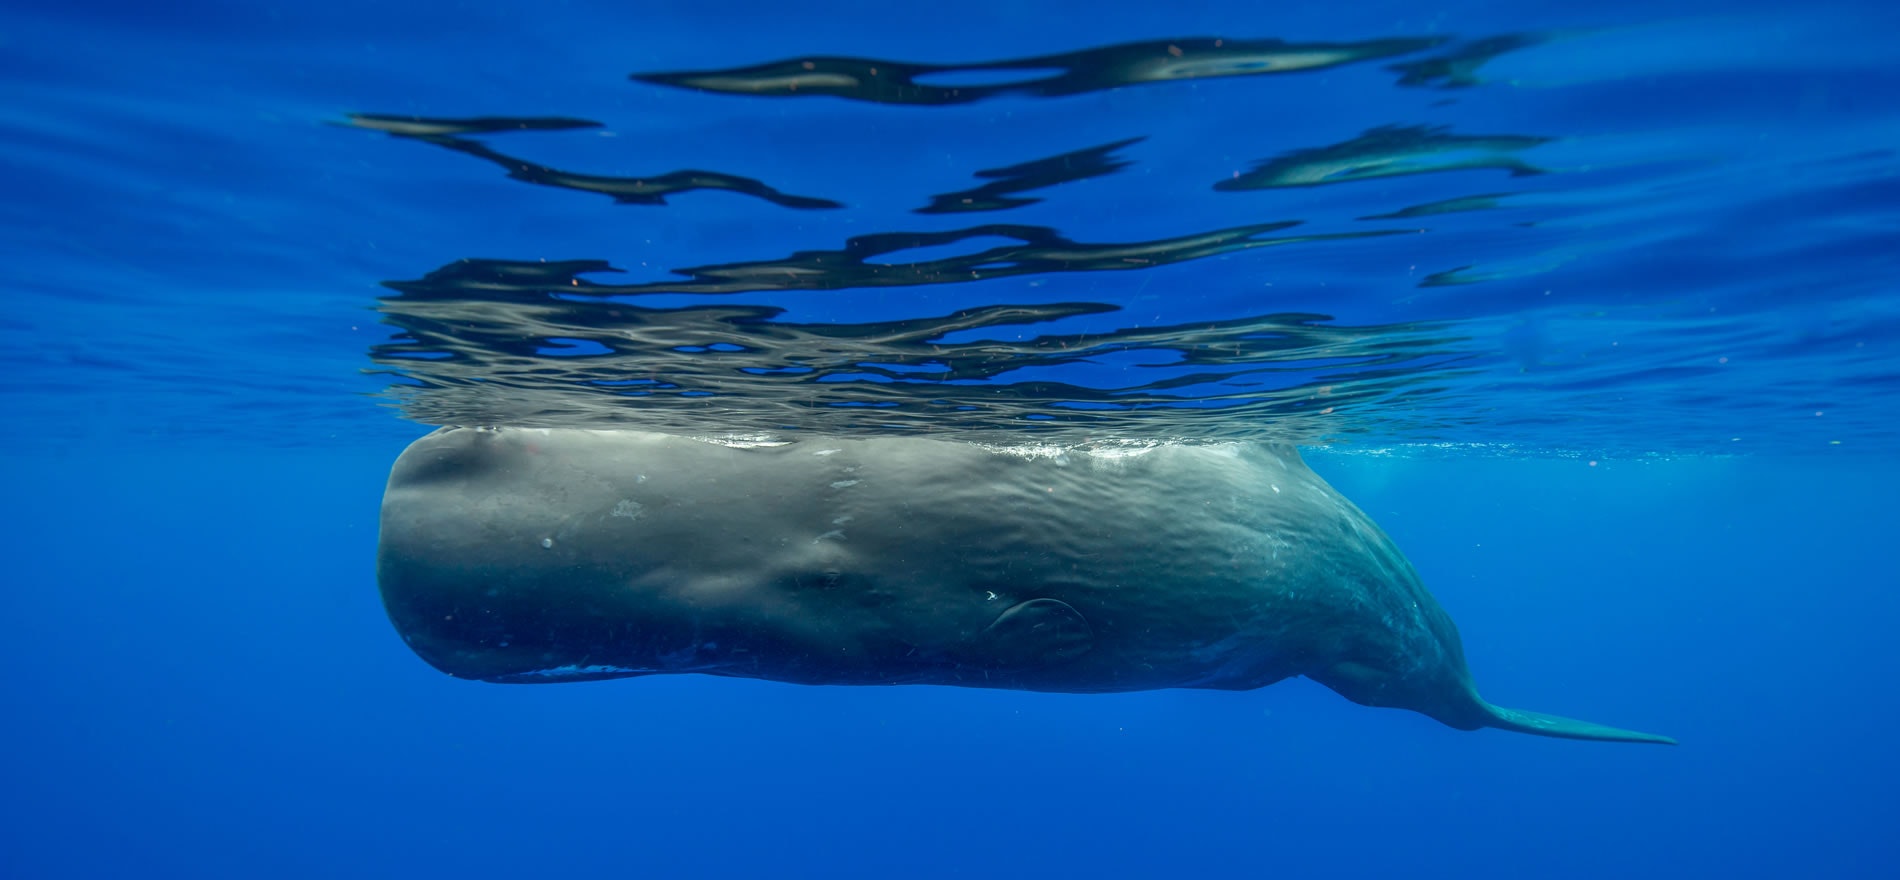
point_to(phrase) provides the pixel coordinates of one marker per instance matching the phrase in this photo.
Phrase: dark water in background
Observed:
(1592, 308)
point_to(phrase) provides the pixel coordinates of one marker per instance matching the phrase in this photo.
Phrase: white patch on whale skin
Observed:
(828, 452)
(836, 534)
(842, 520)
(628, 508)
(844, 484)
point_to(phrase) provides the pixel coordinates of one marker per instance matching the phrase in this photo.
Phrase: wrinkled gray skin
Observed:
(526, 555)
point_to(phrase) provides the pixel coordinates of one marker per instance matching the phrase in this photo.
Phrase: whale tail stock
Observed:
(1453, 701)
(1556, 725)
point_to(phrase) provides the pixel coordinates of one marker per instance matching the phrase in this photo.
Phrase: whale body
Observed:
(542, 555)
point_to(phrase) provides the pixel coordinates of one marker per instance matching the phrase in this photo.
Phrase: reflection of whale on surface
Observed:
(876, 260)
(1458, 68)
(1044, 76)
(1388, 151)
(534, 344)
(435, 126)
(1481, 202)
(521, 555)
(645, 190)
(1000, 193)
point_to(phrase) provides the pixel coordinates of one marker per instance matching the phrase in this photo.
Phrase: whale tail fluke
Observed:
(1557, 725)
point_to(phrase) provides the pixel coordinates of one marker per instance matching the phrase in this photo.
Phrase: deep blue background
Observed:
(199, 680)
(201, 683)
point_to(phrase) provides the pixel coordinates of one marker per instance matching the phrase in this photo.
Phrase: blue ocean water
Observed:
(1591, 308)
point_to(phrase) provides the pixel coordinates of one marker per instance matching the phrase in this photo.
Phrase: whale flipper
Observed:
(1559, 726)
(1034, 633)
